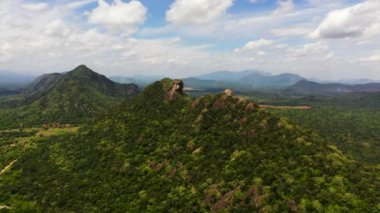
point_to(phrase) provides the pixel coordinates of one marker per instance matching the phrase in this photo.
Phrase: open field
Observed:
(14, 142)
(286, 107)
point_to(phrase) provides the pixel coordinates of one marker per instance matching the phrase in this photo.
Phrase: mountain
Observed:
(257, 80)
(305, 86)
(358, 81)
(140, 80)
(73, 97)
(195, 83)
(242, 81)
(7, 92)
(228, 75)
(163, 151)
(9, 80)
(43, 84)
(12, 84)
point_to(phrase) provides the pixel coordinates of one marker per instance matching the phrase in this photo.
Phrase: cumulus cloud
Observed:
(359, 20)
(58, 38)
(197, 11)
(256, 45)
(284, 7)
(79, 4)
(318, 50)
(291, 31)
(372, 58)
(119, 16)
(35, 6)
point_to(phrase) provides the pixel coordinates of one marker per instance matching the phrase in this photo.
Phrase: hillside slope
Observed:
(78, 95)
(165, 152)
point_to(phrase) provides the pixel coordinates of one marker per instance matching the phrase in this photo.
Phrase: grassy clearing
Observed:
(286, 107)
(14, 142)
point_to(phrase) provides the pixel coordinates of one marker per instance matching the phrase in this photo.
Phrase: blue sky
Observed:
(322, 39)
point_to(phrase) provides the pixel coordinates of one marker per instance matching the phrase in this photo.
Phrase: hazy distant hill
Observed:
(257, 80)
(242, 81)
(163, 151)
(12, 84)
(10, 80)
(73, 97)
(140, 80)
(305, 86)
(228, 75)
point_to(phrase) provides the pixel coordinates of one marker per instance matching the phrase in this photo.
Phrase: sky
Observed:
(323, 39)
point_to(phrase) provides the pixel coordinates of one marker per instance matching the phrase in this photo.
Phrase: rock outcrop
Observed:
(176, 88)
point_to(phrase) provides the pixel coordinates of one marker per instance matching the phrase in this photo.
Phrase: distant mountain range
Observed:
(141, 80)
(308, 87)
(11, 84)
(243, 81)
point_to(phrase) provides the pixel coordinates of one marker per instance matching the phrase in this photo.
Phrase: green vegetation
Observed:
(73, 98)
(163, 151)
(351, 122)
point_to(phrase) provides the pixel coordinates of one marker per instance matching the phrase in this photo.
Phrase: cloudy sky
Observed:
(325, 39)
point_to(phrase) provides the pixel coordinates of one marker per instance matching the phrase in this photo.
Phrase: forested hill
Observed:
(73, 97)
(166, 152)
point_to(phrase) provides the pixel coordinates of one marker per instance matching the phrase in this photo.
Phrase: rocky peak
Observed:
(176, 88)
(228, 92)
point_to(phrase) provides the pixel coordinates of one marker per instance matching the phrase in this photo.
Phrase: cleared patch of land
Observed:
(286, 107)
(17, 141)
(4, 207)
(8, 167)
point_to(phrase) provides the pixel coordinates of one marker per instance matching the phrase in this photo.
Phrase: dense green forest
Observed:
(164, 151)
(351, 122)
(78, 96)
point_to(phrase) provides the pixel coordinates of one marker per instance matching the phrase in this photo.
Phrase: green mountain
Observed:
(42, 85)
(163, 151)
(73, 97)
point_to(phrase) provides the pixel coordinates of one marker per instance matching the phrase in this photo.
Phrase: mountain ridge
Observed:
(165, 151)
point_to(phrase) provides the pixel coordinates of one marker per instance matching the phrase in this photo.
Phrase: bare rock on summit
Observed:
(176, 88)
(228, 92)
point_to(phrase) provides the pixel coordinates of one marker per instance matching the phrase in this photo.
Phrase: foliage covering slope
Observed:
(73, 97)
(165, 152)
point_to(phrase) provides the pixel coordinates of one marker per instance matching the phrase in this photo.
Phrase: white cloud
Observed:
(318, 50)
(284, 7)
(197, 11)
(57, 28)
(361, 20)
(255, 45)
(79, 4)
(373, 58)
(291, 31)
(35, 6)
(119, 16)
(58, 38)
